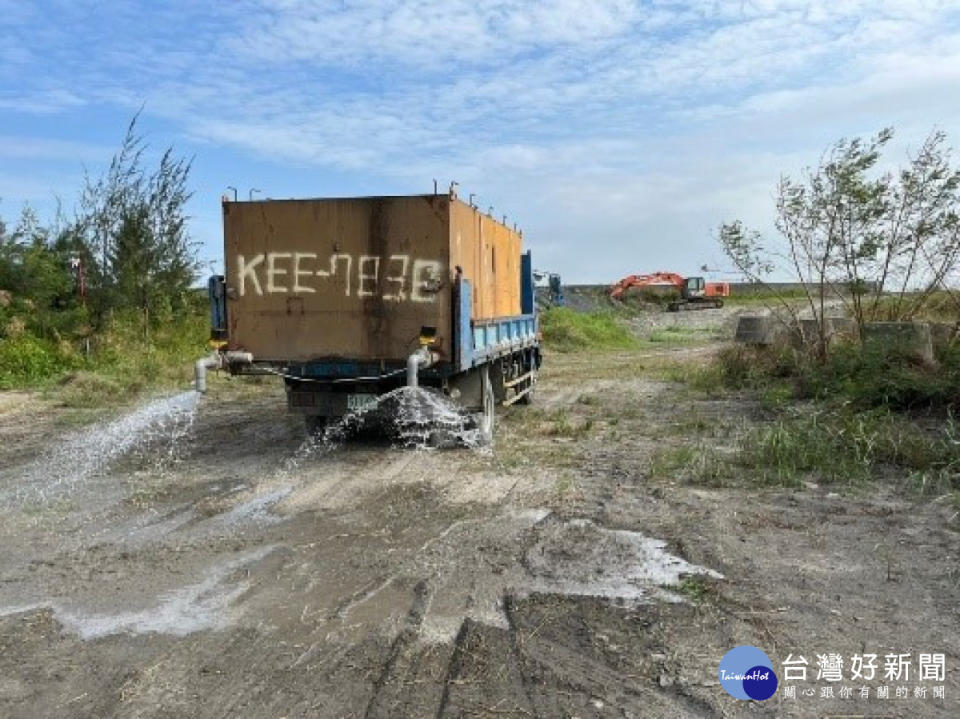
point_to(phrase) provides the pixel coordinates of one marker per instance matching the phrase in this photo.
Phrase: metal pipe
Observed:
(200, 371)
(237, 357)
(217, 360)
(421, 358)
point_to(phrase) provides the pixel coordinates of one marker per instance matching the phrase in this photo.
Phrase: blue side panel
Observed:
(218, 307)
(499, 337)
(464, 339)
(527, 299)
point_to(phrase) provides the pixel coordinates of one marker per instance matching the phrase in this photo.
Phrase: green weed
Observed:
(678, 335)
(563, 426)
(695, 588)
(844, 446)
(697, 464)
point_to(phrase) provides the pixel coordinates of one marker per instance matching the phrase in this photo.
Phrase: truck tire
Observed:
(487, 419)
(315, 425)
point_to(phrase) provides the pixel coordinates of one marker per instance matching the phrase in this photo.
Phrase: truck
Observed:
(348, 299)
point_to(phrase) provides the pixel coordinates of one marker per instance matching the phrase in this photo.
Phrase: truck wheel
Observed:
(488, 416)
(315, 424)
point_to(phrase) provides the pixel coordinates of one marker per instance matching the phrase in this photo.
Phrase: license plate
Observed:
(360, 402)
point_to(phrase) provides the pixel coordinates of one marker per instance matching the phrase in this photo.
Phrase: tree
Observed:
(859, 236)
(133, 225)
(29, 266)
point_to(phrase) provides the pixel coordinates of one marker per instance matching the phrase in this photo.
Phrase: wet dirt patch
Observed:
(205, 605)
(581, 558)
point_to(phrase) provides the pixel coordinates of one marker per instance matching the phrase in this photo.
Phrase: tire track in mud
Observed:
(400, 661)
(509, 610)
(467, 689)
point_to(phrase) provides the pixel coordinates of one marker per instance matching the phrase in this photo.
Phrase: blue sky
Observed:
(617, 133)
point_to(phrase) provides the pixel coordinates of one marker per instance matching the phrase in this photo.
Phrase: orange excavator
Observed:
(695, 293)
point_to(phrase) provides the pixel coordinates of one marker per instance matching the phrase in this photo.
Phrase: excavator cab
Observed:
(694, 288)
(698, 294)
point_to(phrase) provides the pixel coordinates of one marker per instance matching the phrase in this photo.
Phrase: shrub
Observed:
(28, 361)
(890, 378)
(745, 367)
(865, 377)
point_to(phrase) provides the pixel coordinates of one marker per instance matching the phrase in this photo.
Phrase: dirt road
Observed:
(210, 564)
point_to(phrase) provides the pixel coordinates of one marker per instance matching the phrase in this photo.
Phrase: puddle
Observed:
(256, 509)
(147, 527)
(475, 570)
(189, 609)
(580, 558)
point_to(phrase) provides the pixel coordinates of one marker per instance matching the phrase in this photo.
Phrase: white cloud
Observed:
(32, 148)
(39, 102)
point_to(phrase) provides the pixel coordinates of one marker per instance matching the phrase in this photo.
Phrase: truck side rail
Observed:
(481, 341)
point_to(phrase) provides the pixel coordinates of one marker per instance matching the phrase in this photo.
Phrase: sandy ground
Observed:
(168, 564)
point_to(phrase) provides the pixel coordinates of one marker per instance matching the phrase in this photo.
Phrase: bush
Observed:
(27, 361)
(136, 357)
(862, 377)
(746, 367)
(889, 378)
(848, 446)
(125, 358)
(566, 330)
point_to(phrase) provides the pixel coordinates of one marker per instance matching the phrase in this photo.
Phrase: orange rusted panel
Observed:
(489, 253)
(357, 278)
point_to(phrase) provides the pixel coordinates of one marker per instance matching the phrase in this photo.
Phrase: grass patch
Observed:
(704, 378)
(61, 352)
(763, 296)
(695, 588)
(839, 446)
(843, 446)
(566, 330)
(562, 425)
(124, 363)
(676, 334)
(884, 377)
(697, 464)
(564, 484)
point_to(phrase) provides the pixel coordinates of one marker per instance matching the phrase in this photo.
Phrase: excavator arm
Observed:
(656, 279)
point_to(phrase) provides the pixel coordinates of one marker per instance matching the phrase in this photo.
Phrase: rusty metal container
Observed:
(360, 278)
